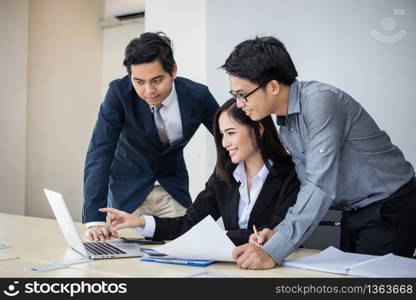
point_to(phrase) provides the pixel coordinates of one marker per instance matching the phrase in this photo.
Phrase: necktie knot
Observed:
(157, 108)
(160, 125)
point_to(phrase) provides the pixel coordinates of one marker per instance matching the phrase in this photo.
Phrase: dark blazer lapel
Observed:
(185, 106)
(230, 214)
(267, 194)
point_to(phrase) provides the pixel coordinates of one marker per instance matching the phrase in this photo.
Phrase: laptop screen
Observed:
(65, 221)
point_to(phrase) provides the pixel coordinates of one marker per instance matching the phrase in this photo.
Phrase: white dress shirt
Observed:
(247, 200)
(245, 204)
(171, 116)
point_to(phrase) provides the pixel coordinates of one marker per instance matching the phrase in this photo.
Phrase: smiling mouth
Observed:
(231, 152)
(152, 98)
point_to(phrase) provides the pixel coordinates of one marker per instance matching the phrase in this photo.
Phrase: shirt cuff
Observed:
(278, 248)
(89, 224)
(149, 228)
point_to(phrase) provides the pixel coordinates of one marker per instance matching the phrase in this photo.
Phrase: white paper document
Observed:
(330, 260)
(336, 261)
(389, 265)
(204, 241)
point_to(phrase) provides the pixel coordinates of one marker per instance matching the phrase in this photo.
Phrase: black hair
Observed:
(268, 143)
(149, 47)
(260, 60)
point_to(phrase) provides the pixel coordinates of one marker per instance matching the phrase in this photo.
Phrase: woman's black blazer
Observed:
(219, 199)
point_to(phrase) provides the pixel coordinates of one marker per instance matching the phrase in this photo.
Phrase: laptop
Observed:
(93, 250)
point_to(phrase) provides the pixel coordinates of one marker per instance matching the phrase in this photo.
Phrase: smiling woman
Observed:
(249, 141)
(254, 183)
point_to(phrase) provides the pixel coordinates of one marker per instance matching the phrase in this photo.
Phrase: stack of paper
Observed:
(336, 261)
(204, 241)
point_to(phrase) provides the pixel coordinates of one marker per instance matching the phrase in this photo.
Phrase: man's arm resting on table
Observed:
(250, 256)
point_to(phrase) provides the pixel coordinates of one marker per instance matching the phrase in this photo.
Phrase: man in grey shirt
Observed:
(342, 158)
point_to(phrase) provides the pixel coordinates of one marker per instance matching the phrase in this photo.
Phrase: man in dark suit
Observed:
(135, 158)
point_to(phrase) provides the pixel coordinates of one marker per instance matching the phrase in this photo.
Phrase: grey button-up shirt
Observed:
(342, 158)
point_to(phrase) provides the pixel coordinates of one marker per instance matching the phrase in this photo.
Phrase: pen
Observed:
(256, 234)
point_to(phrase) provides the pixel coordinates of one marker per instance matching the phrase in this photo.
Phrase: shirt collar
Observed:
(170, 98)
(293, 103)
(264, 172)
(240, 172)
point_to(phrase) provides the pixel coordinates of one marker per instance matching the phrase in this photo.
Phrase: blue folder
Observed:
(186, 262)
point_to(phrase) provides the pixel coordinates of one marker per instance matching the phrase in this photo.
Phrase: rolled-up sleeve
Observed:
(325, 123)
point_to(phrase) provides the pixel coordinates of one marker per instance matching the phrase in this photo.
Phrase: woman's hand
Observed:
(117, 219)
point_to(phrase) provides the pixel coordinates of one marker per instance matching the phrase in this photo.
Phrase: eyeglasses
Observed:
(243, 98)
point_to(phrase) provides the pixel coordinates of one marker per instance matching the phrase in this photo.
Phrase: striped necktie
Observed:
(160, 125)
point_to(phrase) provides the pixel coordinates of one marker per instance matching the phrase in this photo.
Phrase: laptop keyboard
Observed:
(102, 248)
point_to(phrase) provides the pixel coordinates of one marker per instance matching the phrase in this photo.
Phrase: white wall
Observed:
(184, 21)
(115, 40)
(14, 17)
(330, 41)
(63, 96)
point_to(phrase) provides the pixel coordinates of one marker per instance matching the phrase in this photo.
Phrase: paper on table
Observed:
(205, 241)
(330, 260)
(389, 265)
(336, 261)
